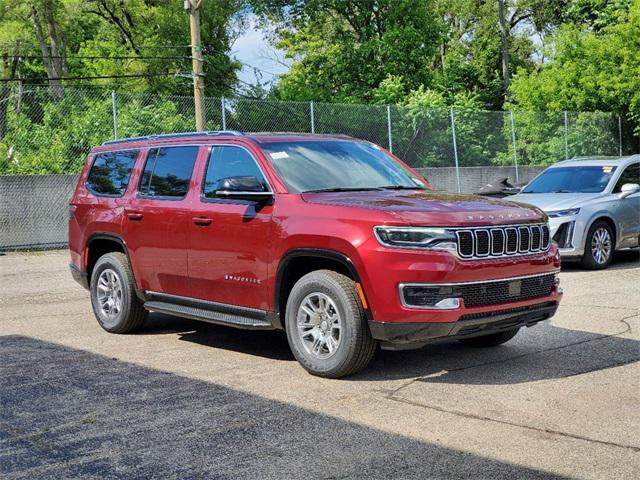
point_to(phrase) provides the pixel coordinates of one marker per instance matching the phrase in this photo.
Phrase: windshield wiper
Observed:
(400, 187)
(343, 189)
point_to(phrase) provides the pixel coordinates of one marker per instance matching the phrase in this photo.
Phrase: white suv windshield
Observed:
(585, 179)
(335, 165)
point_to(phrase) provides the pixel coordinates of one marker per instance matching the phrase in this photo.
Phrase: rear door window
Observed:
(167, 172)
(110, 173)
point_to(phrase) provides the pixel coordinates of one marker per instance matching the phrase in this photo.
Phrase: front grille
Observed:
(502, 241)
(482, 293)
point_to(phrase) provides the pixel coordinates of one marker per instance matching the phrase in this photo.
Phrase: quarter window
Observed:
(631, 174)
(110, 172)
(226, 162)
(167, 172)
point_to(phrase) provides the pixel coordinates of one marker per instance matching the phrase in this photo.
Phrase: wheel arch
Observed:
(100, 244)
(300, 261)
(608, 219)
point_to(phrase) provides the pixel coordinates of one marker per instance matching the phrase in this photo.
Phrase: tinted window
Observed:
(228, 162)
(167, 172)
(585, 179)
(110, 172)
(631, 174)
(334, 165)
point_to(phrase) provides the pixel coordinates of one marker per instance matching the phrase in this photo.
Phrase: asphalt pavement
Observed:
(183, 399)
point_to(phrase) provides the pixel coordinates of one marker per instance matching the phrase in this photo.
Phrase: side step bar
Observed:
(207, 312)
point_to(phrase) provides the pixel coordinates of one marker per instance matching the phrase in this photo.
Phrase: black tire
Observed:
(589, 261)
(355, 348)
(131, 314)
(492, 340)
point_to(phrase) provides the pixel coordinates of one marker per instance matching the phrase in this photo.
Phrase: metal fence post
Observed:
(313, 117)
(620, 132)
(115, 114)
(455, 149)
(389, 128)
(515, 149)
(566, 136)
(224, 114)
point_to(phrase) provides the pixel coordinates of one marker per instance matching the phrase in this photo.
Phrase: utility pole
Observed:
(504, 47)
(193, 9)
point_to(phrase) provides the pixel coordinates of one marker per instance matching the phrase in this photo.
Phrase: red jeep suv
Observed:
(332, 239)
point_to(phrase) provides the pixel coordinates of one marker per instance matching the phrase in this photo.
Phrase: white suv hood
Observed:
(549, 202)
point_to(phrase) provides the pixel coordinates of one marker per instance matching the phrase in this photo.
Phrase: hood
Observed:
(549, 202)
(433, 208)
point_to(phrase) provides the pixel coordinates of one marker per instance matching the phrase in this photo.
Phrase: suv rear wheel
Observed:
(113, 297)
(326, 325)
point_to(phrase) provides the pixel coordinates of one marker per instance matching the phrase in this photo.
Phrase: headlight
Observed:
(563, 213)
(416, 237)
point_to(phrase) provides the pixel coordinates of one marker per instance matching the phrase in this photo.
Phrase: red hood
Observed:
(433, 208)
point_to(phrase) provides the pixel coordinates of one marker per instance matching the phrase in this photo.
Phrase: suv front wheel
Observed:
(113, 296)
(326, 325)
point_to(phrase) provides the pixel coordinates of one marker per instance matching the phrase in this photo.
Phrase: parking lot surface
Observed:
(182, 399)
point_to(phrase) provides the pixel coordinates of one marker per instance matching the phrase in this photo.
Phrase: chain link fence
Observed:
(44, 140)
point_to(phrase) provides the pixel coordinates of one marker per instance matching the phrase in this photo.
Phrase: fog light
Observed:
(446, 303)
(429, 296)
(556, 283)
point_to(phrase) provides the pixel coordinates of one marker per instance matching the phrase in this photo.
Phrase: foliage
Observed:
(88, 35)
(588, 70)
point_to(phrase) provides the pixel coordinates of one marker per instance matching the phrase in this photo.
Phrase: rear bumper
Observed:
(79, 276)
(401, 336)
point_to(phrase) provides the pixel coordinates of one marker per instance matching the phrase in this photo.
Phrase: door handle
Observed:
(202, 221)
(135, 216)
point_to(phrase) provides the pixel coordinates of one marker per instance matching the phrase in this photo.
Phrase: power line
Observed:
(99, 77)
(100, 57)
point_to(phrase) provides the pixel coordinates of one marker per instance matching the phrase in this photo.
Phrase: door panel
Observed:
(156, 221)
(229, 240)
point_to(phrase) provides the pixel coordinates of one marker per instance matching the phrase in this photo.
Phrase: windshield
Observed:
(589, 179)
(333, 165)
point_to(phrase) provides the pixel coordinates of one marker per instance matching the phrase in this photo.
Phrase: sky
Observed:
(253, 50)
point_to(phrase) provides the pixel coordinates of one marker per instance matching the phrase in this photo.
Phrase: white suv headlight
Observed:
(416, 237)
(563, 213)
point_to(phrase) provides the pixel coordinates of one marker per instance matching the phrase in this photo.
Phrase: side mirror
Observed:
(243, 188)
(628, 189)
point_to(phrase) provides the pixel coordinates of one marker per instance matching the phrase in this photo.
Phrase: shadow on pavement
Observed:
(540, 353)
(69, 413)
(544, 351)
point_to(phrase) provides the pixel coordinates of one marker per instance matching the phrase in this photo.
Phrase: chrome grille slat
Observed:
(502, 241)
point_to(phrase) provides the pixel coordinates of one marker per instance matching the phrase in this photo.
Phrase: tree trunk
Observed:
(52, 72)
(10, 66)
(504, 48)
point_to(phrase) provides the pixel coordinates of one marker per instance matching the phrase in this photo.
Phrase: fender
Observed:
(597, 216)
(115, 238)
(319, 253)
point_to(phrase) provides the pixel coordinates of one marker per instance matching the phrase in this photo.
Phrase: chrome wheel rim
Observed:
(601, 245)
(109, 295)
(319, 325)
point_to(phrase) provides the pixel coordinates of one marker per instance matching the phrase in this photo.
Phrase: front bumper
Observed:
(568, 233)
(403, 336)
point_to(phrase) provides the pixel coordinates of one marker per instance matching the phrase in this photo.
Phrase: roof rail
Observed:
(175, 135)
